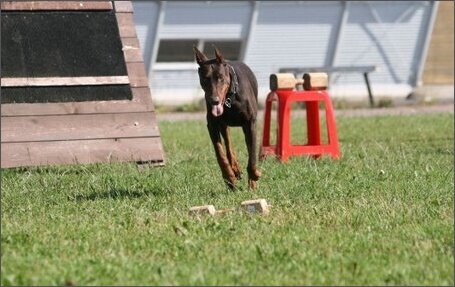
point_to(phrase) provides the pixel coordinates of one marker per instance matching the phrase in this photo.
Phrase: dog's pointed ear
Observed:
(219, 56)
(200, 57)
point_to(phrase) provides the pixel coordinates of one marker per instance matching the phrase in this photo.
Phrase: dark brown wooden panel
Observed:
(74, 127)
(56, 5)
(141, 102)
(81, 152)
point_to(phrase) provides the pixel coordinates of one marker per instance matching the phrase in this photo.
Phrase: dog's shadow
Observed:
(116, 194)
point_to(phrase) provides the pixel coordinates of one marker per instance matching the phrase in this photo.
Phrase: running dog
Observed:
(231, 93)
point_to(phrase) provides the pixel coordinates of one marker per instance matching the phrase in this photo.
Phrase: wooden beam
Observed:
(127, 28)
(131, 50)
(123, 6)
(136, 72)
(65, 81)
(55, 5)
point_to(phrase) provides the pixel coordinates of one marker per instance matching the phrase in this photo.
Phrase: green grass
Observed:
(381, 215)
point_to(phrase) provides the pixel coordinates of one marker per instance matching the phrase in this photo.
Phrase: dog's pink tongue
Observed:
(217, 110)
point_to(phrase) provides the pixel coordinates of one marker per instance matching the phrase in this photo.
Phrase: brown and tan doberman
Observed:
(231, 92)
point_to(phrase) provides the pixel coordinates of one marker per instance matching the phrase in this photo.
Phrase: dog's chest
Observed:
(236, 116)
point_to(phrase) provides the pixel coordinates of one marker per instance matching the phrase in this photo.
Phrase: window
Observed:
(176, 51)
(182, 50)
(230, 49)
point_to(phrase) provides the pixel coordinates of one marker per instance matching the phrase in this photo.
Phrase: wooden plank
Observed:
(123, 6)
(82, 152)
(137, 74)
(141, 102)
(74, 127)
(56, 5)
(126, 26)
(64, 81)
(131, 50)
(347, 69)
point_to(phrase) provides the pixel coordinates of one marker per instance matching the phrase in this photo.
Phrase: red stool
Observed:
(283, 148)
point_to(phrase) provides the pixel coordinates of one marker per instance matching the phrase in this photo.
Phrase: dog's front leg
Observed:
(232, 158)
(250, 139)
(223, 162)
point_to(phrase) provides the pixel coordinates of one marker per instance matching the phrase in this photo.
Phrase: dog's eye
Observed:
(220, 78)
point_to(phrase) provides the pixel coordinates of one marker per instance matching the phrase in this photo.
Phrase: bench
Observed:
(347, 69)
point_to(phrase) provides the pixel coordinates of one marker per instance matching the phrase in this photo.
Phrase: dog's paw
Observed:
(256, 174)
(231, 182)
(237, 171)
(252, 184)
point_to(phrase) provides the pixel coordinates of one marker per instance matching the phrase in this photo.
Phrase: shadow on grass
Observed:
(116, 194)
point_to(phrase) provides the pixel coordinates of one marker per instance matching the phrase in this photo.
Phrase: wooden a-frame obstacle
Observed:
(74, 88)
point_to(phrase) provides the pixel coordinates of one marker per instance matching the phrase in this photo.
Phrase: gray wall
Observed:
(392, 35)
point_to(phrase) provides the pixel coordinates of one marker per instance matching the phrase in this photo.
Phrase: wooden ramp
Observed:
(77, 93)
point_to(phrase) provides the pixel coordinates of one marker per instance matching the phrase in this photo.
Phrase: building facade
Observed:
(269, 35)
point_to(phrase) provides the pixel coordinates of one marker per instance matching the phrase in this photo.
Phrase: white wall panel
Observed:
(207, 19)
(389, 34)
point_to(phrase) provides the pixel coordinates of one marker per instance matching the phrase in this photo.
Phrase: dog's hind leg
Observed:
(250, 139)
(232, 158)
(226, 169)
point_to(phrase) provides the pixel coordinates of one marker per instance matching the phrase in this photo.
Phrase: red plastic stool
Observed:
(283, 148)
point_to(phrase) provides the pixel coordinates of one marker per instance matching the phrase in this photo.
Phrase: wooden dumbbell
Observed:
(315, 81)
(207, 209)
(284, 81)
(203, 209)
(256, 206)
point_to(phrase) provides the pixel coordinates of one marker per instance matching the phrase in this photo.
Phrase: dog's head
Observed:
(214, 78)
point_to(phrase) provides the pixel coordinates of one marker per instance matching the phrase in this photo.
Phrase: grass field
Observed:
(381, 215)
